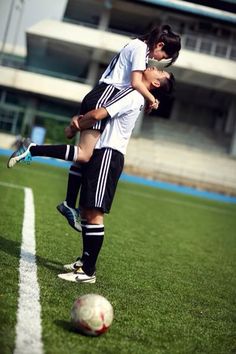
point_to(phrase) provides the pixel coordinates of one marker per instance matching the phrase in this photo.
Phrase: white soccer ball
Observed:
(92, 314)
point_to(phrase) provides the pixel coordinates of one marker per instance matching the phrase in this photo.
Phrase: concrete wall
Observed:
(42, 84)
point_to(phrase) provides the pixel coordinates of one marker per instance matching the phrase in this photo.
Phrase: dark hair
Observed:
(166, 88)
(171, 40)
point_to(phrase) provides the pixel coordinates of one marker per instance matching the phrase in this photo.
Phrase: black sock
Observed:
(73, 184)
(92, 244)
(83, 223)
(63, 152)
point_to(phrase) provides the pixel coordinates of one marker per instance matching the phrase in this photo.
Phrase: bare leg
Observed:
(87, 142)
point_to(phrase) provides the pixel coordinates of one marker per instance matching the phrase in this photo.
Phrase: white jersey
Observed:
(132, 57)
(124, 110)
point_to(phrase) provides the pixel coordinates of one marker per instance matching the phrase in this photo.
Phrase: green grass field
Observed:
(167, 266)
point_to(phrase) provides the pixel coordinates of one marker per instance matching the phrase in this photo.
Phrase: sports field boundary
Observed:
(28, 326)
(143, 181)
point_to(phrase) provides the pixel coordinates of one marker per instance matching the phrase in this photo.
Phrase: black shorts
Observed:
(99, 179)
(96, 98)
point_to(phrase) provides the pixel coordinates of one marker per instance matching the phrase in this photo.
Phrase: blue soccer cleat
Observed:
(71, 214)
(22, 154)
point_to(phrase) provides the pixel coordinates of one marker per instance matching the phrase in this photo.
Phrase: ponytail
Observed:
(171, 40)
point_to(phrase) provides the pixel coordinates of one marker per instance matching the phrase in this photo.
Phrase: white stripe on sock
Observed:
(95, 233)
(67, 152)
(90, 226)
(75, 173)
(75, 153)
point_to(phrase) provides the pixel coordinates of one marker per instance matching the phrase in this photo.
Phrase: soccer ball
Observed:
(92, 314)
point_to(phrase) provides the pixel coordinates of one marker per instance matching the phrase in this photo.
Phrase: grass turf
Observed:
(167, 266)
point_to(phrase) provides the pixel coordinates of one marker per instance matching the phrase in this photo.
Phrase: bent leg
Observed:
(87, 142)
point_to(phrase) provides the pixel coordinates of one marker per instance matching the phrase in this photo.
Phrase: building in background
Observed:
(52, 56)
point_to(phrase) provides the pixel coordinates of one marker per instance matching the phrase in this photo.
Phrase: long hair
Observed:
(164, 33)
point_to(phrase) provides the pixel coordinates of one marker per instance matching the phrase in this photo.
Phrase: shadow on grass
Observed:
(12, 248)
(67, 326)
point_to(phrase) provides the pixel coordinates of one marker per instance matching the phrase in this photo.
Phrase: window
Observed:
(205, 46)
(190, 43)
(233, 53)
(221, 50)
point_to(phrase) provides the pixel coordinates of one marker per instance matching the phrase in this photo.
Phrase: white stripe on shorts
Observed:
(102, 179)
(102, 100)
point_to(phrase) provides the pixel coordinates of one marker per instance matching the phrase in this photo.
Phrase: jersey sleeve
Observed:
(138, 57)
(120, 104)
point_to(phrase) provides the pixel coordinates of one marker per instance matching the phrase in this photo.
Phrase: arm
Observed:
(85, 121)
(137, 84)
(89, 119)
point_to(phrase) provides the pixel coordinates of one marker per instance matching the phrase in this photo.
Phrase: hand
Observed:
(154, 105)
(70, 132)
(74, 123)
(73, 128)
(150, 106)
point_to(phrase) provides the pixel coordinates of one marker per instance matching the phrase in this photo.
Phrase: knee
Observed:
(83, 159)
(83, 156)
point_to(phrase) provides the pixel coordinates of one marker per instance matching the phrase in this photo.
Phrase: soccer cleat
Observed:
(22, 154)
(78, 276)
(73, 266)
(71, 214)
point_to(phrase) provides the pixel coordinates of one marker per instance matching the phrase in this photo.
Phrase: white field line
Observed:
(28, 326)
(10, 185)
(183, 203)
